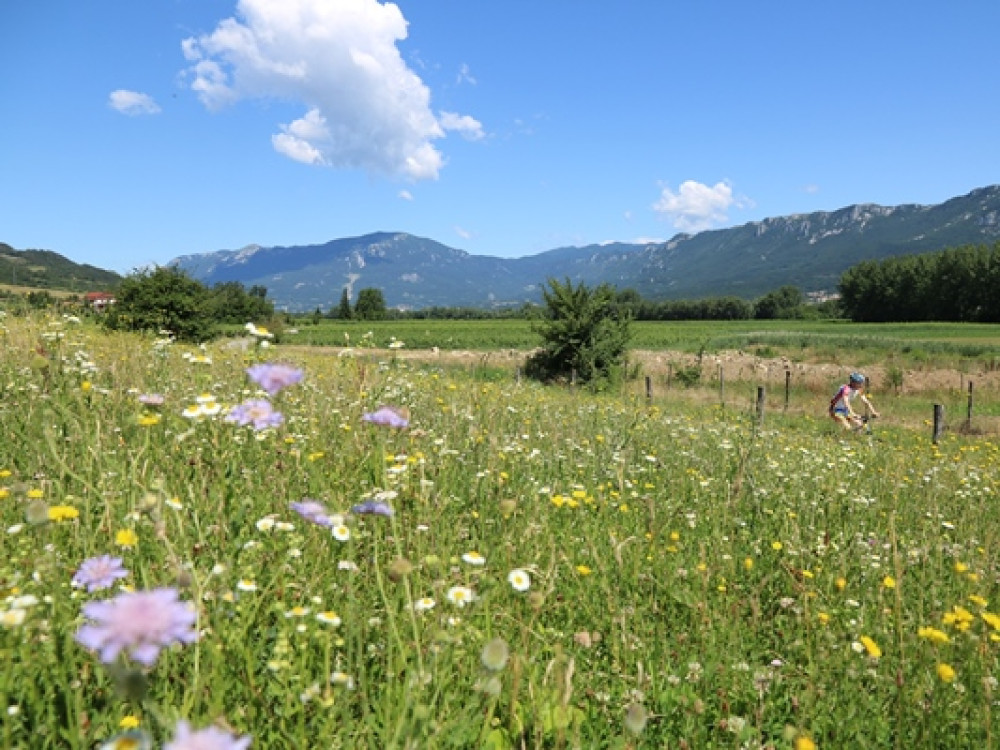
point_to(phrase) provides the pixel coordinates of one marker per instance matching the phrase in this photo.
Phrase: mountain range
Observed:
(809, 251)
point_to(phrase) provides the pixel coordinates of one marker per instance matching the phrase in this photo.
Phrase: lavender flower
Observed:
(99, 573)
(373, 508)
(274, 376)
(141, 623)
(312, 511)
(152, 399)
(388, 416)
(210, 738)
(259, 412)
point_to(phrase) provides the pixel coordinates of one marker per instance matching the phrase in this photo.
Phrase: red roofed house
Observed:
(100, 300)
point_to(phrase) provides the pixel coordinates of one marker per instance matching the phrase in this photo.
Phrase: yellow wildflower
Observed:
(945, 672)
(933, 635)
(129, 722)
(583, 570)
(871, 647)
(63, 513)
(991, 619)
(126, 538)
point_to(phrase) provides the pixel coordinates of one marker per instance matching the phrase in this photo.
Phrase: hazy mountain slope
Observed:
(808, 250)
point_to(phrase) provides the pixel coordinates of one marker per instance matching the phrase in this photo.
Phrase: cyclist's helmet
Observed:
(857, 377)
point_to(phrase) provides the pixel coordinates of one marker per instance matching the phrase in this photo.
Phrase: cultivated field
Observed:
(492, 563)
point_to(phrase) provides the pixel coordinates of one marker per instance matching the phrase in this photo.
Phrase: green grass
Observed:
(717, 579)
(914, 340)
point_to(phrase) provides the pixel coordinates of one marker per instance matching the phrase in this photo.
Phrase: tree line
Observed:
(956, 285)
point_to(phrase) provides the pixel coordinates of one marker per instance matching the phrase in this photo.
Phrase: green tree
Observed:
(229, 302)
(785, 302)
(165, 298)
(585, 332)
(343, 311)
(370, 304)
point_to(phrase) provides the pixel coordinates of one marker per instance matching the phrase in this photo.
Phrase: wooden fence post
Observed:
(938, 422)
(760, 404)
(649, 388)
(968, 413)
(788, 385)
(722, 386)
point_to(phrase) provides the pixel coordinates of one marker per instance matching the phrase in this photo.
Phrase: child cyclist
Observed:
(840, 405)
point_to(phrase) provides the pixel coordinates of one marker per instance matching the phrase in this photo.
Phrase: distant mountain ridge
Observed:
(810, 251)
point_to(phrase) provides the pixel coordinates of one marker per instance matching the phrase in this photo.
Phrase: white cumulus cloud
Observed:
(696, 206)
(363, 106)
(470, 128)
(132, 102)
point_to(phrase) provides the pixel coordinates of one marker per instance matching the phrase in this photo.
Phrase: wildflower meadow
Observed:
(225, 548)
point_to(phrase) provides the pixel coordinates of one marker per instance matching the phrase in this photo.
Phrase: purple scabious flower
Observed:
(210, 738)
(140, 623)
(274, 376)
(312, 511)
(388, 416)
(373, 508)
(153, 400)
(99, 573)
(257, 412)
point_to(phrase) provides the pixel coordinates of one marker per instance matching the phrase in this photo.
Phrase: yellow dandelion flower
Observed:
(945, 672)
(871, 647)
(129, 722)
(823, 617)
(59, 513)
(959, 618)
(777, 546)
(85, 386)
(933, 635)
(4, 493)
(841, 584)
(748, 563)
(960, 567)
(889, 582)
(148, 420)
(4, 473)
(583, 570)
(126, 538)
(991, 619)
(803, 742)
(35, 494)
(978, 600)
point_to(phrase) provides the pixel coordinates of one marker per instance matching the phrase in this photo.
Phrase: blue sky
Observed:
(135, 132)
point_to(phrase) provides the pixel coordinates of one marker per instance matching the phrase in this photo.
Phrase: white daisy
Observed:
(519, 580)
